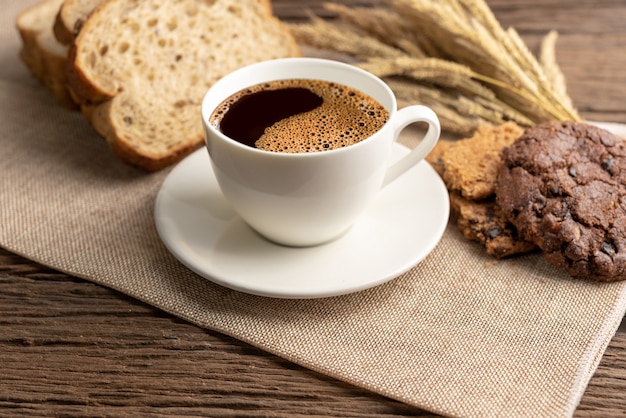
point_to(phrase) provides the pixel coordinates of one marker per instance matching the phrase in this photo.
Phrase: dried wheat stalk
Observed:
(452, 55)
(547, 59)
(324, 35)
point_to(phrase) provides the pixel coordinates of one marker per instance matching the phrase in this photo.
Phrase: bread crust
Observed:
(41, 53)
(70, 18)
(103, 92)
(60, 30)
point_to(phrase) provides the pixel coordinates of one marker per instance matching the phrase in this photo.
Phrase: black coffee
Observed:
(299, 116)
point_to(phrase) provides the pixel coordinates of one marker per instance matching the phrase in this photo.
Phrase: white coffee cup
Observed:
(305, 199)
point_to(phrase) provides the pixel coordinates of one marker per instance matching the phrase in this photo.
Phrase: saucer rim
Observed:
(443, 212)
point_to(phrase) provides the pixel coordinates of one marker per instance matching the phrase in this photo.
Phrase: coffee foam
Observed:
(346, 116)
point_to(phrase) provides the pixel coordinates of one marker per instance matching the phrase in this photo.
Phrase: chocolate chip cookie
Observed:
(484, 223)
(469, 168)
(563, 186)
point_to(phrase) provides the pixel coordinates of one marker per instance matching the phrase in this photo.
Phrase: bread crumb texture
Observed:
(155, 61)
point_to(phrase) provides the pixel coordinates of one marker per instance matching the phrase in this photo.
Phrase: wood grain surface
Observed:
(72, 348)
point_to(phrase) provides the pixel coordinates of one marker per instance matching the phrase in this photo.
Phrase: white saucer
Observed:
(398, 231)
(618, 129)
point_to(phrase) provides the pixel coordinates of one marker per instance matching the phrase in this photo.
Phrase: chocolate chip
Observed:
(608, 249)
(494, 232)
(609, 165)
(572, 171)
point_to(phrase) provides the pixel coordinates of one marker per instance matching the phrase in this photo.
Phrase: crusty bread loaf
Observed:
(70, 18)
(143, 66)
(43, 55)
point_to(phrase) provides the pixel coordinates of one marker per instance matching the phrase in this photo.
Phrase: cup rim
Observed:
(206, 110)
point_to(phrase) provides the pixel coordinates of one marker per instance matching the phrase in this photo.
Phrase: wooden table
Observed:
(68, 346)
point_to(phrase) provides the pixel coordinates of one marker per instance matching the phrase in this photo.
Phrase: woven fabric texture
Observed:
(458, 334)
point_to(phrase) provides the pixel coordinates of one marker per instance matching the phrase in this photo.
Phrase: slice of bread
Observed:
(142, 68)
(70, 18)
(73, 13)
(43, 55)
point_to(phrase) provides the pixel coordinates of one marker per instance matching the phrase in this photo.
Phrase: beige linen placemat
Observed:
(458, 334)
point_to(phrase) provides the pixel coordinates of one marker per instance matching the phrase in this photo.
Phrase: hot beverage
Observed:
(299, 115)
(299, 159)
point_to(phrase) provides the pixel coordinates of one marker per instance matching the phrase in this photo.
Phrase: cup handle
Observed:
(404, 118)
